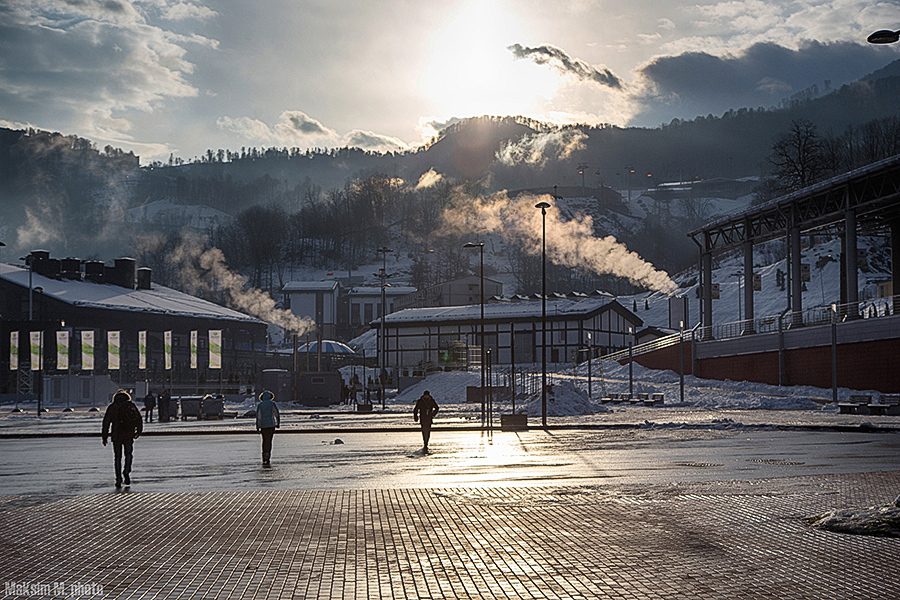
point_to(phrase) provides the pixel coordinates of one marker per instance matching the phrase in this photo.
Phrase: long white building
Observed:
(450, 336)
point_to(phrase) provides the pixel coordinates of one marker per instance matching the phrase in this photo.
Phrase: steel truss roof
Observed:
(873, 192)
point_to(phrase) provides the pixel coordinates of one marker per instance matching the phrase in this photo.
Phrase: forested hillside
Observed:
(334, 207)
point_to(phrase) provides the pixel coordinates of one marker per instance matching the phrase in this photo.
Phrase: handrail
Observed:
(817, 315)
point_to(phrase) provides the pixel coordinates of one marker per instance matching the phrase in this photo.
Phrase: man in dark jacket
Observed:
(426, 408)
(124, 418)
(149, 405)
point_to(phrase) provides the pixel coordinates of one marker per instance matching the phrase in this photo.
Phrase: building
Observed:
(316, 300)
(450, 336)
(117, 306)
(459, 292)
(365, 303)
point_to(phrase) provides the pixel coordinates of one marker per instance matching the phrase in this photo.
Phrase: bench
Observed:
(655, 399)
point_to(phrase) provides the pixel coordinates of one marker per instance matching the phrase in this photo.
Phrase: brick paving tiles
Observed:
(729, 539)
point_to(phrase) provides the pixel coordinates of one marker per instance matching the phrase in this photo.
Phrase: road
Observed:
(394, 460)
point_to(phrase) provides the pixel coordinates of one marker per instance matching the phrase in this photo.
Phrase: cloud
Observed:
(562, 62)
(296, 128)
(430, 127)
(376, 142)
(699, 83)
(87, 63)
(182, 11)
(536, 149)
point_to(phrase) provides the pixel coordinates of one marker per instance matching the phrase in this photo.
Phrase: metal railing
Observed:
(817, 315)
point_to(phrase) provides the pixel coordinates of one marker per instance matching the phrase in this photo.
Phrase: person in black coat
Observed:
(122, 422)
(149, 405)
(426, 408)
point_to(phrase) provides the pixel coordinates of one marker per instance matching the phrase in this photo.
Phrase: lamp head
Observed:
(543, 206)
(883, 36)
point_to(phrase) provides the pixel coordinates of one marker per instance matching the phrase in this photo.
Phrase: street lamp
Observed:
(480, 245)
(39, 383)
(884, 36)
(543, 206)
(384, 252)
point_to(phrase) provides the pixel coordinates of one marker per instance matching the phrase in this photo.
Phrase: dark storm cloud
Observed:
(697, 83)
(562, 62)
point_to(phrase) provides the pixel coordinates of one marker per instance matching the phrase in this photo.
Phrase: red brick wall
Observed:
(862, 366)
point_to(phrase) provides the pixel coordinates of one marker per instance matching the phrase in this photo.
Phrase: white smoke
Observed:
(428, 179)
(536, 149)
(570, 243)
(203, 271)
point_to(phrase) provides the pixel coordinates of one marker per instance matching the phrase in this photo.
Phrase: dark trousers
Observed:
(128, 446)
(426, 431)
(148, 414)
(267, 433)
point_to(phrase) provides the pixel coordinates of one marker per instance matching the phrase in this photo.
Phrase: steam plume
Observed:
(570, 243)
(536, 149)
(428, 179)
(205, 272)
(557, 58)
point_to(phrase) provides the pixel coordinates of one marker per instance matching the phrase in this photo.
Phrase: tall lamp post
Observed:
(381, 376)
(39, 383)
(480, 245)
(543, 206)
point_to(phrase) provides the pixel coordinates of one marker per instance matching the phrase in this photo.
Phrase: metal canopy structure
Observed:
(865, 199)
(872, 192)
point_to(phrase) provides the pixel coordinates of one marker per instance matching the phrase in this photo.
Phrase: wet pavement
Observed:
(695, 506)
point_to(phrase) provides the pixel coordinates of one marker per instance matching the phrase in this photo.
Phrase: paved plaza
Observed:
(632, 513)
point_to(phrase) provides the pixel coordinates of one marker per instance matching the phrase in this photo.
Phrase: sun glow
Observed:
(473, 73)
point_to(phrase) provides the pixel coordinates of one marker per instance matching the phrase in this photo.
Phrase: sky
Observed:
(162, 77)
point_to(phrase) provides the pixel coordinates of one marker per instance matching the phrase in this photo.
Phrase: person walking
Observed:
(149, 405)
(122, 422)
(267, 421)
(426, 408)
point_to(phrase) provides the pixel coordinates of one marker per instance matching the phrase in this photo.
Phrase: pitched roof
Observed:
(159, 300)
(505, 311)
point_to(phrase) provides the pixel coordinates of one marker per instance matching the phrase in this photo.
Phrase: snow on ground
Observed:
(711, 393)
(563, 399)
(877, 520)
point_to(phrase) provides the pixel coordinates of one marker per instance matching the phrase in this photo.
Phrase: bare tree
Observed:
(798, 156)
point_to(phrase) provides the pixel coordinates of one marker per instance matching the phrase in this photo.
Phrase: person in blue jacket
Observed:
(267, 421)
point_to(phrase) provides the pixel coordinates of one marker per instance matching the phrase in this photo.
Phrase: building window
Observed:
(368, 312)
(86, 389)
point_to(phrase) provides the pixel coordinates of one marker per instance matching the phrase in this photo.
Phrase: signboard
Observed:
(167, 349)
(215, 349)
(142, 350)
(13, 350)
(87, 350)
(62, 350)
(113, 350)
(194, 349)
(37, 343)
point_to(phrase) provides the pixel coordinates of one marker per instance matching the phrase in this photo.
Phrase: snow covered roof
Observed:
(159, 299)
(310, 286)
(376, 291)
(509, 310)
